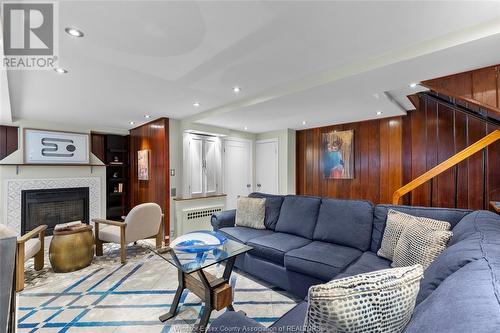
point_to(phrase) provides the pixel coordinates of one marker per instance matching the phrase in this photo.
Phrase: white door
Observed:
(237, 170)
(266, 166)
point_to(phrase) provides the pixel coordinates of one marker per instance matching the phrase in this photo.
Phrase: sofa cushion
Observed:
(451, 215)
(396, 223)
(345, 222)
(298, 215)
(467, 301)
(378, 302)
(292, 321)
(368, 262)
(450, 261)
(320, 259)
(250, 212)
(274, 246)
(474, 233)
(231, 321)
(485, 222)
(244, 234)
(273, 207)
(419, 244)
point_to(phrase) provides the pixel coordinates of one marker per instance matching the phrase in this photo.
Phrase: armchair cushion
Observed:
(111, 234)
(31, 248)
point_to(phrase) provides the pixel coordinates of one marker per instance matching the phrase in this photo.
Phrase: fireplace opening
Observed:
(53, 206)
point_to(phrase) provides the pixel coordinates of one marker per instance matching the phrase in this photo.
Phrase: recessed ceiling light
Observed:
(236, 89)
(196, 104)
(74, 32)
(147, 116)
(60, 70)
(413, 85)
(132, 123)
(245, 128)
(303, 122)
(379, 113)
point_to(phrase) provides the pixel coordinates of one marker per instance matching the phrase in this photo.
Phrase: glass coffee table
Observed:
(214, 291)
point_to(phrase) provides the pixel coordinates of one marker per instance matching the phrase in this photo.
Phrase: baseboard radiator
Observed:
(195, 219)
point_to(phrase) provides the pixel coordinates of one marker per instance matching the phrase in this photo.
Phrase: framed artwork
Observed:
(143, 164)
(338, 154)
(54, 147)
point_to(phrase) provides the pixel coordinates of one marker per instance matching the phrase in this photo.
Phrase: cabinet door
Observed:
(195, 166)
(212, 166)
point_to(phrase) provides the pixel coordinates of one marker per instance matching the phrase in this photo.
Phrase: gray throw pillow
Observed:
(420, 244)
(250, 212)
(396, 223)
(375, 302)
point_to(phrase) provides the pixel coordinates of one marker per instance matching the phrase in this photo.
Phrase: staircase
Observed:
(445, 165)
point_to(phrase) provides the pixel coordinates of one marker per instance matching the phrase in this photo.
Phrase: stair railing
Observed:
(445, 165)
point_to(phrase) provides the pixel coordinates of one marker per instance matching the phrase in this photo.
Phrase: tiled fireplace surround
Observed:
(13, 188)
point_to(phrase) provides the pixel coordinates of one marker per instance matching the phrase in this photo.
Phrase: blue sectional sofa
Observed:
(311, 240)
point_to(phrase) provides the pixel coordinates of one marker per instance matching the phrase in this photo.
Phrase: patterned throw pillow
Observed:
(420, 244)
(396, 223)
(375, 302)
(250, 212)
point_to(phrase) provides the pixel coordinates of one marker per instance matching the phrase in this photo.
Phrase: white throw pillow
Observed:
(375, 302)
(420, 244)
(396, 223)
(251, 212)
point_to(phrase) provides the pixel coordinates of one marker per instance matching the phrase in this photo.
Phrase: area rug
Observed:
(110, 297)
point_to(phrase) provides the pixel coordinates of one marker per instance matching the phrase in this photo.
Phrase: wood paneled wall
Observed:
(378, 163)
(476, 89)
(154, 137)
(98, 144)
(391, 152)
(435, 132)
(8, 140)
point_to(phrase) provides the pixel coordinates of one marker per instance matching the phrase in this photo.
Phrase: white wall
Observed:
(286, 158)
(38, 172)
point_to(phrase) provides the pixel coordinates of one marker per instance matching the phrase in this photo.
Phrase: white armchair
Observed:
(29, 247)
(143, 221)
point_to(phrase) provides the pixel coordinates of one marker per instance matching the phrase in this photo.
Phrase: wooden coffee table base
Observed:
(215, 292)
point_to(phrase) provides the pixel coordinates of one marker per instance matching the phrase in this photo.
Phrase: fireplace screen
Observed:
(54, 206)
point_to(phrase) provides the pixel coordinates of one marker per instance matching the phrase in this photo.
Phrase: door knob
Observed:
(258, 185)
(248, 185)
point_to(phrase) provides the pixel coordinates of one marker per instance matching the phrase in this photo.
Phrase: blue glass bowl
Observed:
(198, 241)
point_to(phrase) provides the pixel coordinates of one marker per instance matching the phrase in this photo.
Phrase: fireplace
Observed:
(53, 206)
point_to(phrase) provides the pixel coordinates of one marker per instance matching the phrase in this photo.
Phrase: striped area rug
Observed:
(110, 297)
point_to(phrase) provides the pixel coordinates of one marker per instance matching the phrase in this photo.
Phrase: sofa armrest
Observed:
(223, 219)
(235, 322)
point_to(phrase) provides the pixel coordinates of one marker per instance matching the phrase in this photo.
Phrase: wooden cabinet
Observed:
(113, 150)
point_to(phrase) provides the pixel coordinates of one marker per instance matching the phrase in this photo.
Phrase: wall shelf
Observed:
(113, 150)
